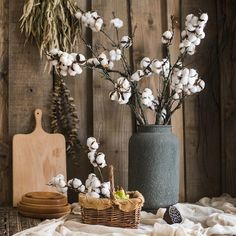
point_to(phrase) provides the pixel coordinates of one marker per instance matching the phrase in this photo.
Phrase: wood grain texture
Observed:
(112, 122)
(227, 41)
(81, 90)
(11, 222)
(202, 112)
(37, 157)
(147, 16)
(29, 83)
(4, 156)
(173, 9)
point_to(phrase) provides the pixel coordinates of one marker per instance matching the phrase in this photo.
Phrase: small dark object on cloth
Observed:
(172, 215)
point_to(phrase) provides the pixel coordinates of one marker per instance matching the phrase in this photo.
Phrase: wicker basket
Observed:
(112, 212)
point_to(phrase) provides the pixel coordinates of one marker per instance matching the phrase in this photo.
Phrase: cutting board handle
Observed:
(38, 119)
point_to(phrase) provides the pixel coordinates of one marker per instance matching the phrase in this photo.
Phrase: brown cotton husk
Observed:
(50, 23)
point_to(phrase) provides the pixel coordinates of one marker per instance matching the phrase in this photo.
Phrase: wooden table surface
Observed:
(11, 222)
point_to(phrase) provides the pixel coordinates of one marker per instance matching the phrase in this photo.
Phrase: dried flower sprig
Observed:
(177, 81)
(64, 117)
(94, 187)
(51, 24)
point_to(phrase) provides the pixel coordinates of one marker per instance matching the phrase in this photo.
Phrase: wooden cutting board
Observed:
(37, 157)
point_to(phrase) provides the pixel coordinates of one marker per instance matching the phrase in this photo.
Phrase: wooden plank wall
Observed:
(205, 125)
(202, 112)
(4, 141)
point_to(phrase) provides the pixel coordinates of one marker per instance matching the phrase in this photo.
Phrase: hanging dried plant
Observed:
(64, 118)
(50, 23)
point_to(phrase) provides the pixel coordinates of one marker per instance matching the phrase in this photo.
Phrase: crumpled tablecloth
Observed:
(209, 216)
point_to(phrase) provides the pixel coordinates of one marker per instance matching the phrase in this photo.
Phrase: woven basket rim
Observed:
(126, 205)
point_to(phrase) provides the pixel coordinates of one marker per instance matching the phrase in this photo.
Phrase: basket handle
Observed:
(111, 179)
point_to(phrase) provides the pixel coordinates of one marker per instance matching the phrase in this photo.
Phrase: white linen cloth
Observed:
(215, 216)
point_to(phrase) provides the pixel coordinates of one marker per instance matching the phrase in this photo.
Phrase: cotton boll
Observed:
(183, 34)
(192, 38)
(201, 24)
(63, 72)
(197, 41)
(112, 55)
(156, 66)
(126, 42)
(81, 189)
(185, 72)
(124, 99)
(189, 17)
(145, 62)
(192, 72)
(110, 65)
(92, 62)
(136, 76)
(76, 183)
(115, 55)
(92, 144)
(98, 25)
(181, 48)
(76, 67)
(190, 27)
(91, 176)
(93, 195)
(100, 159)
(124, 84)
(186, 43)
(95, 183)
(204, 17)
(54, 62)
(91, 140)
(61, 183)
(184, 80)
(192, 80)
(194, 21)
(87, 183)
(80, 58)
(176, 96)
(106, 192)
(191, 49)
(117, 23)
(71, 72)
(201, 35)
(78, 14)
(148, 91)
(194, 89)
(179, 86)
(62, 189)
(166, 37)
(103, 59)
(91, 156)
(114, 95)
(63, 67)
(201, 84)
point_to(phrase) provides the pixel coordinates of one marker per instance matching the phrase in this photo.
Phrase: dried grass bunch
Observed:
(51, 24)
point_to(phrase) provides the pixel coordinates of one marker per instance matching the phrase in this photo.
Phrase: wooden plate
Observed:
(43, 205)
(43, 209)
(44, 198)
(42, 215)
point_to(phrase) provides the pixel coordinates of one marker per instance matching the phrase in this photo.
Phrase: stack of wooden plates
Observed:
(43, 205)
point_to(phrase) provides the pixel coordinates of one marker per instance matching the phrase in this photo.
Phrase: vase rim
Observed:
(158, 126)
(154, 128)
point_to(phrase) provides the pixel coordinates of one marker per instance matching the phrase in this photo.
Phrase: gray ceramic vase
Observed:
(154, 165)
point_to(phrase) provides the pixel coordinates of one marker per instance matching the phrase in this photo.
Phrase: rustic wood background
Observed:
(206, 125)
